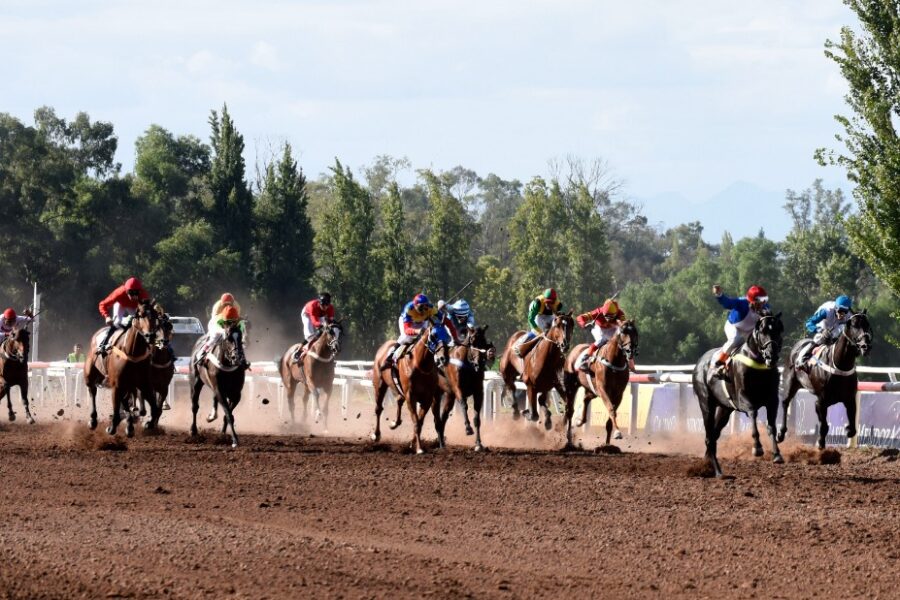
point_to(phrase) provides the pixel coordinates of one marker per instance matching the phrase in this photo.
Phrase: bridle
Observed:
(769, 349)
(863, 341)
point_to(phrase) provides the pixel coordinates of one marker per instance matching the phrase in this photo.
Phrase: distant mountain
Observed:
(742, 209)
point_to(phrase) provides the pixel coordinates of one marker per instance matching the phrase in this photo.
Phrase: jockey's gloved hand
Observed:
(109, 320)
(821, 338)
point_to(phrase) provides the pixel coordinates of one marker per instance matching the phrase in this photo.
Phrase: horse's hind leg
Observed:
(380, 391)
(771, 423)
(531, 412)
(155, 408)
(790, 385)
(228, 407)
(418, 417)
(440, 408)
(92, 389)
(116, 416)
(195, 405)
(399, 421)
(5, 390)
(822, 412)
(715, 422)
(548, 423)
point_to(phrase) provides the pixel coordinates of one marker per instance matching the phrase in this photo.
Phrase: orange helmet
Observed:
(9, 314)
(226, 298)
(231, 314)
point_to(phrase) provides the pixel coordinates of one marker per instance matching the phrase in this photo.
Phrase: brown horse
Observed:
(541, 369)
(464, 377)
(14, 370)
(417, 375)
(223, 373)
(125, 370)
(607, 380)
(315, 374)
(162, 363)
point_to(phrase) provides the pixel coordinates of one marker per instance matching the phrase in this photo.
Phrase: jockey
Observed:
(226, 312)
(742, 317)
(460, 313)
(416, 315)
(826, 325)
(11, 321)
(118, 308)
(606, 320)
(540, 316)
(317, 312)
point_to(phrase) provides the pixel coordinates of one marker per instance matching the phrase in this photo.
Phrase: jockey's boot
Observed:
(393, 357)
(299, 353)
(103, 348)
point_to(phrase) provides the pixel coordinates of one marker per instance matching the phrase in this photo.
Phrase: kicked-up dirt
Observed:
(83, 516)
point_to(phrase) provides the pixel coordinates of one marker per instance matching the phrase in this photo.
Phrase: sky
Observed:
(684, 99)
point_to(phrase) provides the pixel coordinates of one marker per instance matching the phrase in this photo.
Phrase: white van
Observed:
(185, 333)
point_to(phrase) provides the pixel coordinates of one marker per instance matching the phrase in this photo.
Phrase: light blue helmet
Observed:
(843, 302)
(461, 307)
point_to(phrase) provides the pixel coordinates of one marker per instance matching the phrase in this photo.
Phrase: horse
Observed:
(541, 369)
(14, 370)
(315, 374)
(755, 385)
(416, 382)
(462, 377)
(125, 369)
(222, 372)
(162, 366)
(832, 379)
(608, 378)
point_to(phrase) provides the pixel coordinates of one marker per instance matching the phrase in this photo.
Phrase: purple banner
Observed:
(879, 419)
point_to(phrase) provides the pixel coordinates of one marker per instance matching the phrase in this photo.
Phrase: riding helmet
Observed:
(550, 294)
(324, 298)
(226, 298)
(757, 293)
(9, 314)
(231, 314)
(133, 284)
(421, 299)
(843, 302)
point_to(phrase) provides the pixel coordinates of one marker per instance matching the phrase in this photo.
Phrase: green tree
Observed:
(283, 248)
(395, 250)
(447, 263)
(166, 166)
(870, 64)
(347, 261)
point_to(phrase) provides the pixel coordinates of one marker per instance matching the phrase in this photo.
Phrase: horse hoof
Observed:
(618, 435)
(778, 460)
(479, 448)
(851, 433)
(166, 405)
(469, 431)
(420, 451)
(110, 430)
(211, 417)
(757, 452)
(93, 424)
(234, 444)
(30, 420)
(548, 424)
(375, 437)
(129, 431)
(318, 415)
(578, 423)
(12, 416)
(780, 437)
(142, 412)
(394, 424)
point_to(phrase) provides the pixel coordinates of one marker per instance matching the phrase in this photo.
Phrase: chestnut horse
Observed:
(417, 375)
(315, 374)
(542, 368)
(608, 378)
(464, 377)
(14, 370)
(125, 369)
(222, 372)
(755, 385)
(832, 379)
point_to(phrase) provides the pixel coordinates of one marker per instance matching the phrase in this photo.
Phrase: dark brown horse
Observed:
(14, 370)
(608, 378)
(315, 374)
(542, 369)
(832, 379)
(754, 385)
(417, 376)
(162, 363)
(223, 373)
(125, 369)
(462, 377)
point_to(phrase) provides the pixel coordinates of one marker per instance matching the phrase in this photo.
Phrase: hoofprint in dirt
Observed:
(288, 517)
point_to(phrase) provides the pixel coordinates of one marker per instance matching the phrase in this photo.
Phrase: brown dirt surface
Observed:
(300, 517)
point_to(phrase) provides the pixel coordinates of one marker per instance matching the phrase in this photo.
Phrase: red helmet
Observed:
(226, 298)
(133, 284)
(232, 314)
(9, 314)
(757, 293)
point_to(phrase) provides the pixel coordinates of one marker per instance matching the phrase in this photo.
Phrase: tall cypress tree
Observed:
(447, 259)
(283, 249)
(395, 249)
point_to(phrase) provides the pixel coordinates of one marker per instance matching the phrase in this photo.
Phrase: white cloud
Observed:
(265, 55)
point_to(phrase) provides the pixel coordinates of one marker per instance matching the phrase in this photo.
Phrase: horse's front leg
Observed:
(463, 404)
(214, 411)
(477, 407)
(23, 388)
(822, 413)
(418, 417)
(116, 416)
(6, 390)
(754, 432)
(396, 423)
(380, 391)
(530, 411)
(438, 404)
(849, 404)
(195, 405)
(92, 389)
(771, 428)
(155, 407)
(790, 385)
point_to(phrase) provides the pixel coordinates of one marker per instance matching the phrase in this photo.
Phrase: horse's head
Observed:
(481, 349)
(859, 332)
(146, 320)
(767, 337)
(164, 328)
(19, 343)
(334, 332)
(232, 344)
(628, 339)
(561, 330)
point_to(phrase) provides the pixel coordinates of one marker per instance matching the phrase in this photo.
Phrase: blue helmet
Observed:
(461, 307)
(421, 299)
(843, 303)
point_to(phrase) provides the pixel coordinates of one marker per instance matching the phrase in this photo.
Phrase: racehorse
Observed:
(462, 377)
(125, 369)
(608, 378)
(14, 370)
(541, 369)
(223, 373)
(832, 378)
(162, 366)
(754, 370)
(315, 374)
(416, 381)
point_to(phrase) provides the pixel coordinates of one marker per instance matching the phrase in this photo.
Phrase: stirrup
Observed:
(585, 366)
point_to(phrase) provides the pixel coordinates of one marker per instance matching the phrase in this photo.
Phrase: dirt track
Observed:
(299, 516)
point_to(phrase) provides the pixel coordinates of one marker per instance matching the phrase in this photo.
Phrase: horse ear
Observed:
(485, 328)
(569, 314)
(865, 311)
(778, 316)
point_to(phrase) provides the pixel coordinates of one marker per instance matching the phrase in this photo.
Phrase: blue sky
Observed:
(682, 98)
